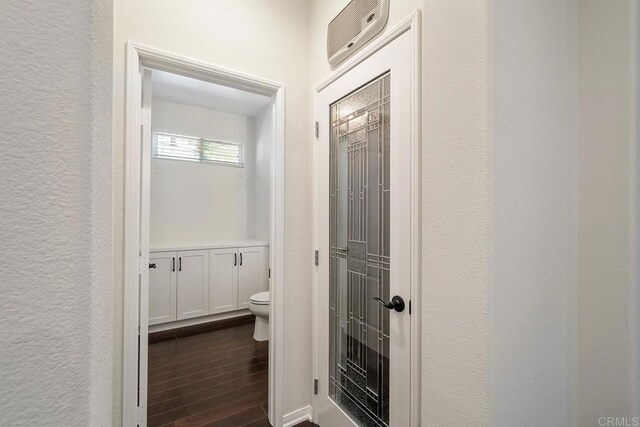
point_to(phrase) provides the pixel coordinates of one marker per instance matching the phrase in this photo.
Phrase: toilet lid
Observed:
(260, 298)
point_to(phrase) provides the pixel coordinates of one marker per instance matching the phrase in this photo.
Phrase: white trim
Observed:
(296, 417)
(634, 214)
(138, 56)
(276, 256)
(416, 217)
(144, 180)
(167, 61)
(131, 245)
(412, 23)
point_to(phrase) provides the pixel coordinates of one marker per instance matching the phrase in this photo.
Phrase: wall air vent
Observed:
(358, 23)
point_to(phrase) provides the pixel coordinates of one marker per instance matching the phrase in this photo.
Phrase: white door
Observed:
(253, 273)
(193, 284)
(363, 234)
(223, 280)
(162, 287)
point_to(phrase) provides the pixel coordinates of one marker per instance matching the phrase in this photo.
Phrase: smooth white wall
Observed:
(56, 213)
(456, 199)
(265, 38)
(193, 202)
(259, 176)
(607, 294)
(532, 298)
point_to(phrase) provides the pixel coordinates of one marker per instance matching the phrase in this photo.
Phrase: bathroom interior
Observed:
(209, 244)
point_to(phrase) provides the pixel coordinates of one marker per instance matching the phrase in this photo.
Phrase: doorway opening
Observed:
(203, 244)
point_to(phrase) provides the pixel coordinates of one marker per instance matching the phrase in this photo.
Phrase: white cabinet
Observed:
(253, 273)
(223, 279)
(236, 274)
(162, 287)
(193, 284)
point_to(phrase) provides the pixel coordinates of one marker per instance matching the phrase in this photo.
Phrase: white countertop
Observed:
(241, 243)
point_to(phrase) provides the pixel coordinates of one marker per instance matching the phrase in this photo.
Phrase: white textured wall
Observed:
(55, 213)
(259, 37)
(456, 213)
(194, 203)
(455, 199)
(607, 294)
(532, 298)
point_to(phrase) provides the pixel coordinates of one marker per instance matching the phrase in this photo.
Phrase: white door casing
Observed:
(145, 195)
(136, 220)
(398, 54)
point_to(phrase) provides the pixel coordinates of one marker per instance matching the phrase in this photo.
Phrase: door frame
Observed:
(413, 25)
(136, 256)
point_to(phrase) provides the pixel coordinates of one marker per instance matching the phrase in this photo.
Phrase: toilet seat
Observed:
(261, 298)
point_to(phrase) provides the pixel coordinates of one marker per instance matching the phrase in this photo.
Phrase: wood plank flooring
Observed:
(217, 378)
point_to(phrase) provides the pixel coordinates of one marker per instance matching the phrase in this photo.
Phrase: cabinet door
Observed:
(253, 273)
(162, 288)
(223, 280)
(193, 284)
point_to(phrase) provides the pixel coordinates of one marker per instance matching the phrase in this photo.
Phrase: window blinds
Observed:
(180, 147)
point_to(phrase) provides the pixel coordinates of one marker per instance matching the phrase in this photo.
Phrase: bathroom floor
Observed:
(216, 378)
(211, 378)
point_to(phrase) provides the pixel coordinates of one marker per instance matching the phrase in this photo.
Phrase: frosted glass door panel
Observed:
(359, 194)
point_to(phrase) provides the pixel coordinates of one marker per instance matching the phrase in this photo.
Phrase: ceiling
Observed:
(186, 90)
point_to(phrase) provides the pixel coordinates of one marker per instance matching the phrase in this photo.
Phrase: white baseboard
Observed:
(297, 416)
(197, 320)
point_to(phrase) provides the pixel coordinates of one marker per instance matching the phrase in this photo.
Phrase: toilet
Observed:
(259, 307)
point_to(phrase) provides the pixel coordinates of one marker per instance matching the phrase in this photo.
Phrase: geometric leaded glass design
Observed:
(359, 253)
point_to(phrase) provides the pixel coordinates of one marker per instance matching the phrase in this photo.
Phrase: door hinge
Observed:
(316, 257)
(317, 129)
(315, 386)
(269, 273)
(409, 306)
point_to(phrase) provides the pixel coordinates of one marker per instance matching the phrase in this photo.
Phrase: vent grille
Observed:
(349, 23)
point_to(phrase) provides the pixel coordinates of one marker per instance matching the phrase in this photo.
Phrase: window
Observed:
(179, 147)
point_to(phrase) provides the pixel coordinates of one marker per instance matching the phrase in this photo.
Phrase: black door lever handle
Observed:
(153, 265)
(397, 303)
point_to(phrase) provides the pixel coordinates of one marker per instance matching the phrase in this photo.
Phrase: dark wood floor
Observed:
(216, 378)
